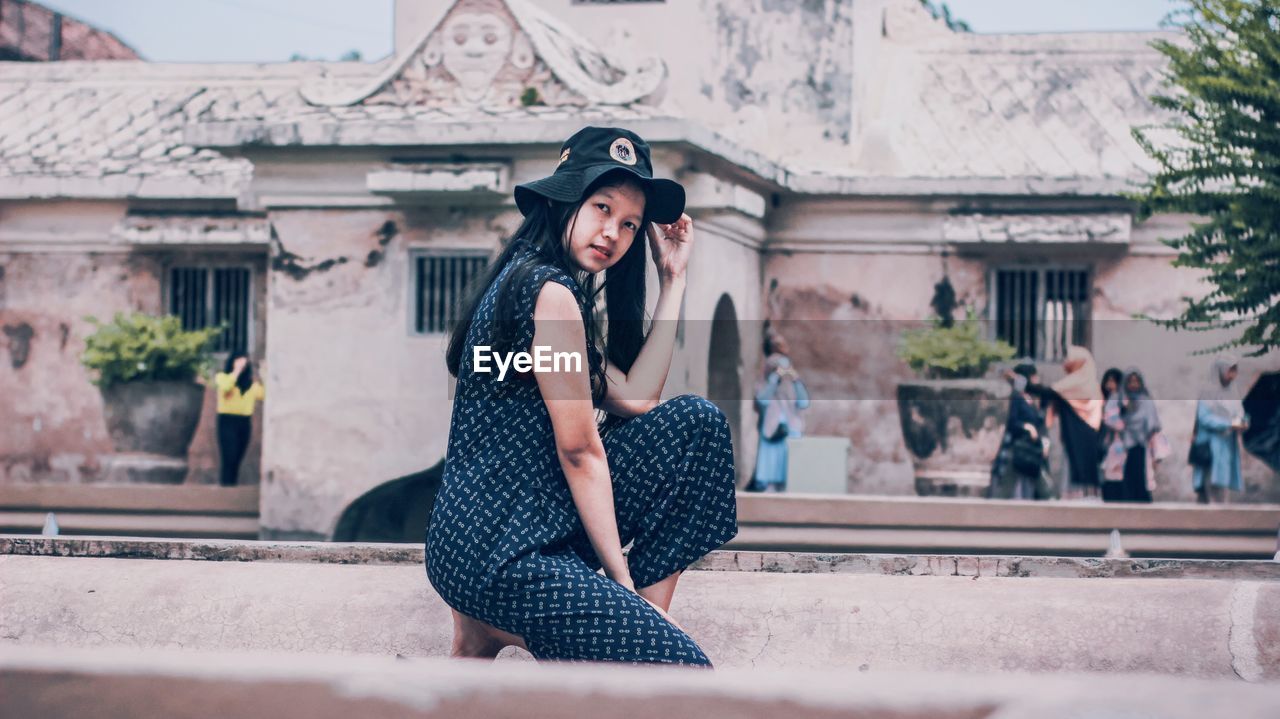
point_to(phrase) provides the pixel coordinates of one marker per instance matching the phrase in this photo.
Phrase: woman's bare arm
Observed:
(567, 394)
(637, 391)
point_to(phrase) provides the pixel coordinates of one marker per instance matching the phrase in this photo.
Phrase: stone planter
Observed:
(151, 425)
(953, 428)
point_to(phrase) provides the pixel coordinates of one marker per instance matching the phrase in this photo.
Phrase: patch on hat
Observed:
(563, 157)
(623, 151)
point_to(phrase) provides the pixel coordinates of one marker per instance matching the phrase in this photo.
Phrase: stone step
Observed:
(133, 510)
(125, 684)
(803, 523)
(748, 610)
(826, 523)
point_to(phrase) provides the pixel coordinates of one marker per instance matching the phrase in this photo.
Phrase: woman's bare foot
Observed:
(474, 639)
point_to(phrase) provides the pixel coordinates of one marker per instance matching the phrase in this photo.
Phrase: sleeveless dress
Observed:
(506, 545)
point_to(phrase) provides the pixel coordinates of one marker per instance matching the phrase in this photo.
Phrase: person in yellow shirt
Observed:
(237, 393)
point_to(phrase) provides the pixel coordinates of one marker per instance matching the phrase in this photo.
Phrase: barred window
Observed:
(210, 296)
(1041, 311)
(440, 283)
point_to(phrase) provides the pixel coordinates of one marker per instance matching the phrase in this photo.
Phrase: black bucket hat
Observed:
(591, 153)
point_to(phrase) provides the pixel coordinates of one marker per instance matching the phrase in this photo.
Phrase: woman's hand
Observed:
(671, 245)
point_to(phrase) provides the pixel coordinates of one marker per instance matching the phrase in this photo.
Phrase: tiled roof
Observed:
(113, 129)
(1010, 106)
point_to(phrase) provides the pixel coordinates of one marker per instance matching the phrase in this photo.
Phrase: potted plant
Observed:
(146, 369)
(952, 418)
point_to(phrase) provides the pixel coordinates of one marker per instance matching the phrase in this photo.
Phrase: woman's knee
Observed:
(691, 407)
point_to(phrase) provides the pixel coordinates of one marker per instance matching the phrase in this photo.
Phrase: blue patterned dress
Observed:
(506, 545)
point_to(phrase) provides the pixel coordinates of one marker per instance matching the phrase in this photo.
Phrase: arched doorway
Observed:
(724, 371)
(394, 511)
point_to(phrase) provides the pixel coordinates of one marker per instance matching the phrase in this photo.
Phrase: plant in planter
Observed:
(952, 419)
(146, 369)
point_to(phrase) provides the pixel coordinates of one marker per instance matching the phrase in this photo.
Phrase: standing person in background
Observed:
(1215, 448)
(780, 399)
(237, 393)
(1111, 380)
(1112, 448)
(1020, 467)
(1077, 400)
(1137, 426)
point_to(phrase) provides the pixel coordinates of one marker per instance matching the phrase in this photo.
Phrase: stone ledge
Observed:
(720, 561)
(1206, 628)
(112, 684)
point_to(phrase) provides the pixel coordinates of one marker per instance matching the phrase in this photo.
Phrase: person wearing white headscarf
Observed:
(1077, 401)
(1220, 418)
(780, 399)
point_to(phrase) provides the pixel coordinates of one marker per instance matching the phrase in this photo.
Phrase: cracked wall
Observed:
(846, 306)
(55, 432)
(357, 398)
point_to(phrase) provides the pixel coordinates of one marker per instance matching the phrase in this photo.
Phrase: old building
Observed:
(840, 157)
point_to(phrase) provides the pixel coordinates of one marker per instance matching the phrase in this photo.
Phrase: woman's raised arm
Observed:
(639, 390)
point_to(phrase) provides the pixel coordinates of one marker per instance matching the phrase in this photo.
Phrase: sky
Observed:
(275, 30)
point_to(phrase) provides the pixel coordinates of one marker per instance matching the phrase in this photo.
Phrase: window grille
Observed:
(210, 296)
(1041, 311)
(440, 285)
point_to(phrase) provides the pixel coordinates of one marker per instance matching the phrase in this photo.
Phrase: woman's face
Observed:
(1110, 385)
(1133, 383)
(605, 226)
(1229, 375)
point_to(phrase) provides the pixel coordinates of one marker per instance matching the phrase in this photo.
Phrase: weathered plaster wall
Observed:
(846, 295)
(57, 267)
(356, 398)
(53, 429)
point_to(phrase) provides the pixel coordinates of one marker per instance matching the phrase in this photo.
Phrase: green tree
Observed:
(1218, 157)
(943, 13)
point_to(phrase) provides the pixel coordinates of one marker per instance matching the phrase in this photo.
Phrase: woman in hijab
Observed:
(1136, 426)
(1220, 419)
(780, 398)
(1020, 467)
(1077, 398)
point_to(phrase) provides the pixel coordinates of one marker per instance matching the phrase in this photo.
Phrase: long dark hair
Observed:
(245, 380)
(1112, 374)
(543, 231)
